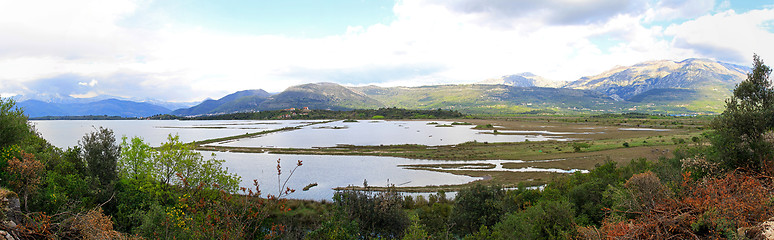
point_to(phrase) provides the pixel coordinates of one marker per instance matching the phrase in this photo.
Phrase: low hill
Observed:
(238, 101)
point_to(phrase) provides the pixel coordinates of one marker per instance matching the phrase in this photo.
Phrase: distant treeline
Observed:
(382, 113)
(629, 115)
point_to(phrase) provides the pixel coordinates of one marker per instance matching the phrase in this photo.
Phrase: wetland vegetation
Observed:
(595, 140)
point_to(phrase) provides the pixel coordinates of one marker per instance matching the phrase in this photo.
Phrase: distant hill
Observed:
(110, 107)
(320, 96)
(526, 79)
(695, 84)
(491, 99)
(238, 101)
(313, 95)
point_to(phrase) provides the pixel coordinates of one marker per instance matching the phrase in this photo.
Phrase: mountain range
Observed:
(692, 86)
(109, 107)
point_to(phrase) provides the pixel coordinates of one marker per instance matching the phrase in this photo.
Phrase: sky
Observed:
(190, 50)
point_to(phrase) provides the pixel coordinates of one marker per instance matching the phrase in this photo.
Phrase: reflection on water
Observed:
(378, 133)
(491, 165)
(339, 171)
(332, 171)
(544, 132)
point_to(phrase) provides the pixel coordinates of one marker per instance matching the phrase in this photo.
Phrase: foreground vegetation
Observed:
(718, 186)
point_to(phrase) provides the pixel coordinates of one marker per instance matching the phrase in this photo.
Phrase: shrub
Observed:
(378, 214)
(547, 220)
(708, 209)
(476, 206)
(579, 146)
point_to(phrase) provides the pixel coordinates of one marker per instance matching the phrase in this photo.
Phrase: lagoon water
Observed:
(66, 133)
(327, 171)
(380, 133)
(332, 171)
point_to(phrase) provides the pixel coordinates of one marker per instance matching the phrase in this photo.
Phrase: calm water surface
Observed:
(380, 133)
(332, 171)
(327, 171)
(66, 133)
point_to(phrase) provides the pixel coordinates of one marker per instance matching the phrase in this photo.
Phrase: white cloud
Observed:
(727, 36)
(90, 84)
(87, 43)
(666, 10)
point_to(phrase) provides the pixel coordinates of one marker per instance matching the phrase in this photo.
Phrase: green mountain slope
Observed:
(491, 99)
(691, 85)
(320, 96)
(627, 82)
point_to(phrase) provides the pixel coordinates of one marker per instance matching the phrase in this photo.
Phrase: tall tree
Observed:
(13, 123)
(100, 151)
(743, 132)
(135, 161)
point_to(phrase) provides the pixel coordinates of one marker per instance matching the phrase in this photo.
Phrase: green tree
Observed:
(67, 183)
(435, 218)
(13, 131)
(175, 158)
(743, 132)
(13, 123)
(549, 219)
(476, 206)
(136, 159)
(100, 151)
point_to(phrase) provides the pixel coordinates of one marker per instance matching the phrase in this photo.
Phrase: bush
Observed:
(476, 206)
(547, 220)
(378, 214)
(579, 146)
(711, 208)
(436, 218)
